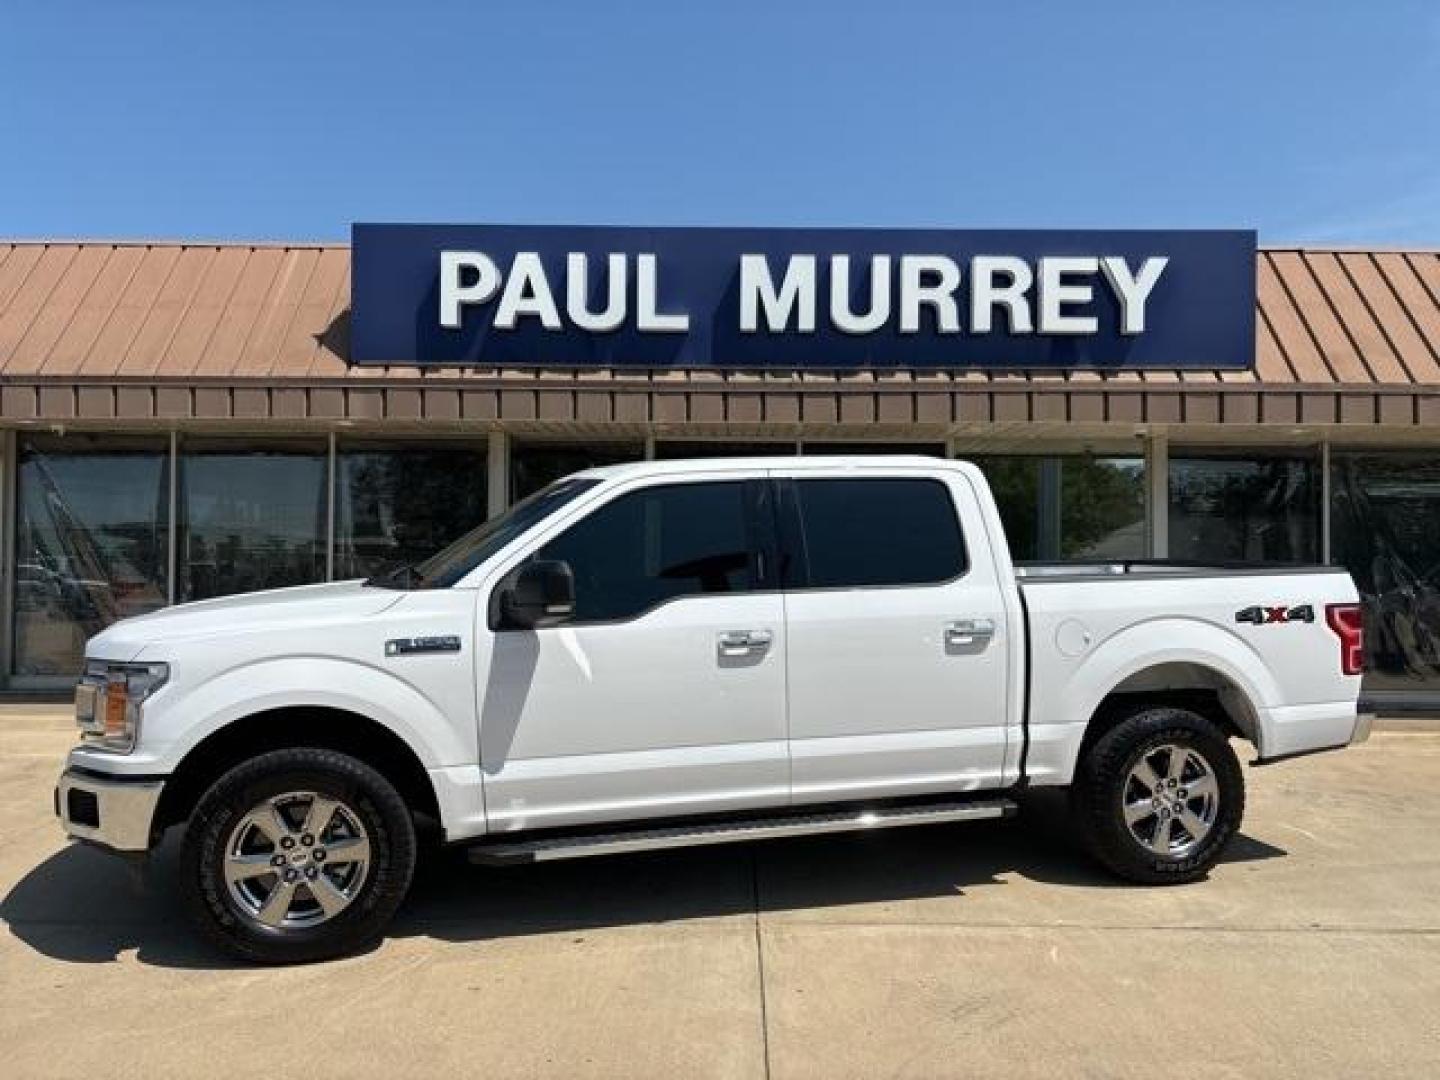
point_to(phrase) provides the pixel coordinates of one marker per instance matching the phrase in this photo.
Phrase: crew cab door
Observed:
(665, 692)
(897, 635)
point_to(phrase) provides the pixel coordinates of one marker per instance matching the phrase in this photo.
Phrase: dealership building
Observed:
(187, 420)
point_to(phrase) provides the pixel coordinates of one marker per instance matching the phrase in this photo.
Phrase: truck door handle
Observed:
(744, 642)
(963, 632)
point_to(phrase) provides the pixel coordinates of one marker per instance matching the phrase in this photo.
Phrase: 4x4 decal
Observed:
(1261, 614)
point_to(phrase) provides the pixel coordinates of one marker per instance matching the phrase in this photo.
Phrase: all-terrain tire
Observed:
(235, 829)
(1196, 827)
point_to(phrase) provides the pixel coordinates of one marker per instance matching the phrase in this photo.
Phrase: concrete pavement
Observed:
(990, 950)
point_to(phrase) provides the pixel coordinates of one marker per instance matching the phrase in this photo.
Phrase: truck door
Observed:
(665, 692)
(896, 625)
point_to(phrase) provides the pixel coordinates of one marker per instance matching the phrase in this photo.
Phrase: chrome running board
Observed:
(801, 823)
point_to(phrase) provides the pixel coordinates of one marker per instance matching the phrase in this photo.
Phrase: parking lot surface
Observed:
(987, 950)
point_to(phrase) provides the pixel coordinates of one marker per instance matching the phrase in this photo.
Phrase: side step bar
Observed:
(728, 832)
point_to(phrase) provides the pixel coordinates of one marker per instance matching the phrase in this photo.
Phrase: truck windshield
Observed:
(452, 563)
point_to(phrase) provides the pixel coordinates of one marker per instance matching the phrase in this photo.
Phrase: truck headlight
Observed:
(109, 699)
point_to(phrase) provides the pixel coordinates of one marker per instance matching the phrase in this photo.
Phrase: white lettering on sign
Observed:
(986, 293)
(845, 320)
(577, 294)
(929, 281)
(1133, 291)
(647, 289)
(453, 294)
(1054, 295)
(796, 294)
(527, 292)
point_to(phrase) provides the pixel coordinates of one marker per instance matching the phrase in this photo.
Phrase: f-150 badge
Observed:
(1261, 614)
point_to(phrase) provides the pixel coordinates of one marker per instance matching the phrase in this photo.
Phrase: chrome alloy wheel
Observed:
(1170, 800)
(297, 860)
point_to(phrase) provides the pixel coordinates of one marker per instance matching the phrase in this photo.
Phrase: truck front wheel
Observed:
(1159, 795)
(297, 855)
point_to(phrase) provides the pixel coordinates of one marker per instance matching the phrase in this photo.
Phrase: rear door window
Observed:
(860, 533)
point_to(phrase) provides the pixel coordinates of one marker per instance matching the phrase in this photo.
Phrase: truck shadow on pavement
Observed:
(83, 906)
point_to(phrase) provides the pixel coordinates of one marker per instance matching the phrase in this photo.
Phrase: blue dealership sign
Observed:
(507, 296)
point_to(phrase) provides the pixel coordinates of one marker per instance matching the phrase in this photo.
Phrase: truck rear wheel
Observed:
(297, 855)
(1159, 795)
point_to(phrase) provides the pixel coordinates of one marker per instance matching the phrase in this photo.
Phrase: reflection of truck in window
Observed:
(694, 652)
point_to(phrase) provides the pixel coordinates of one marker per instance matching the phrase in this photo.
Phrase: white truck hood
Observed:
(245, 613)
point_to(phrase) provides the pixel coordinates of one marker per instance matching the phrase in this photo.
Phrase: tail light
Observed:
(1349, 625)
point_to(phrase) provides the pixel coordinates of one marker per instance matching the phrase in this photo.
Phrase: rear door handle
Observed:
(964, 632)
(743, 642)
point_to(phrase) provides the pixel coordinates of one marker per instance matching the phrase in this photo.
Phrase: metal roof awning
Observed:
(169, 333)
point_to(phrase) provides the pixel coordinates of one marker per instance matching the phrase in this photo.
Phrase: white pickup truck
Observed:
(693, 652)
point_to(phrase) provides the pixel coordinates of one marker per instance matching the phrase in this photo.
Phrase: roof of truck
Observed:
(684, 466)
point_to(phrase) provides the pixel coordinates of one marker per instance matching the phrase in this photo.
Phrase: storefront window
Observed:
(1015, 484)
(252, 516)
(401, 503)
(702, 448)
(533, 465)
(1252, 509)
(1102, 508)
(928, 449)
(1070, 508)
(91, 536)
(1385, 516)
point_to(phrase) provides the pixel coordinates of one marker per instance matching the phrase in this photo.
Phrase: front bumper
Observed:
(118, 814)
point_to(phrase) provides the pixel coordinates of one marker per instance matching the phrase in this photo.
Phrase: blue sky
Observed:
(1312, 122)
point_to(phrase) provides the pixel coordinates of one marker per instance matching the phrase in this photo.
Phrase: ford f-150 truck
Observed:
(693, 652)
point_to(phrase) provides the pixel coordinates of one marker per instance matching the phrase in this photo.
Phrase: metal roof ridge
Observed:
(1354, 249)
(69, 241)
(201, 242)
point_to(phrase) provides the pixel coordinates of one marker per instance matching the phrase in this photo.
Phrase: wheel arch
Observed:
(325, 727)
(1187, 684)
(1169, 660)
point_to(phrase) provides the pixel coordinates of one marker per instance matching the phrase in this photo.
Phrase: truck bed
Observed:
(1259, 636)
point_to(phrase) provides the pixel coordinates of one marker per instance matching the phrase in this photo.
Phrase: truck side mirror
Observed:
(541, 593)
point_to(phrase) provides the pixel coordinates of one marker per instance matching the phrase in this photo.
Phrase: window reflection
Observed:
(399, 504)
(1385, 516)
(669, 450)
(927, 449)
(1102, 508)
(533, 465)
(1244, 509)
(1070, 508)
(91, 539)
(252, 516)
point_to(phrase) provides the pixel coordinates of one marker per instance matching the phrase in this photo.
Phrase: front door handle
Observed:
(966, 632)
(744, 642)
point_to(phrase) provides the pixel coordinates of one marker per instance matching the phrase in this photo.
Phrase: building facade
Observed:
(181, 421)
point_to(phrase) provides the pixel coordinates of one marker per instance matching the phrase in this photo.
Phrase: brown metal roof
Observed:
(225, 331)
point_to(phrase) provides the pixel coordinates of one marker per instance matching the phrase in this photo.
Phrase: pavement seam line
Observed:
(760, 962)
(1357, 931)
